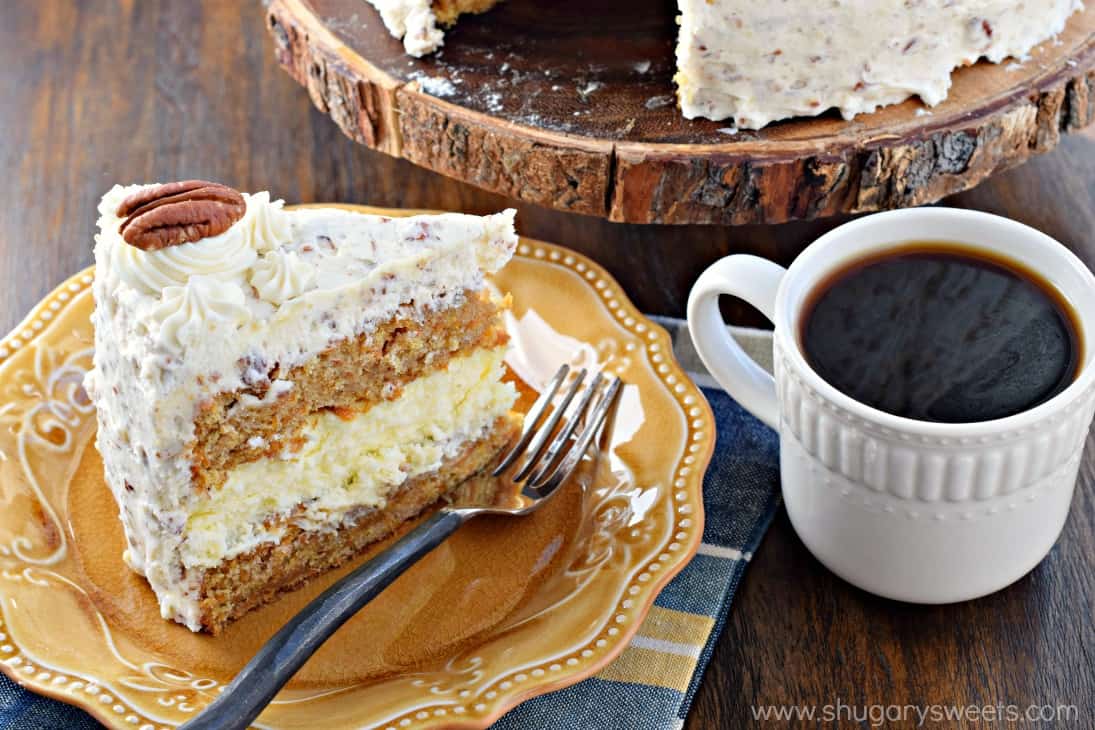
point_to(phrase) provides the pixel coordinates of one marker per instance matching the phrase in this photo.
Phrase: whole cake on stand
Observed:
(720, 112)
(755, 63)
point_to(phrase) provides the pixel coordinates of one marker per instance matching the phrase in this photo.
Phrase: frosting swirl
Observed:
(223, 257)
(265, 221)
(279, 276)
(200, 308)
(227, 256)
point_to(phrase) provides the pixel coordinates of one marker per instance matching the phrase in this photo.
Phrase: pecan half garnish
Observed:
(179, 212)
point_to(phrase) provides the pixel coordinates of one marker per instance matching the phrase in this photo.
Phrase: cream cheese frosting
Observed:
(280, 276)
(176, 326)
(225, 257)
(265, 222)
(759, 62)
(203, 307)
(414, 22)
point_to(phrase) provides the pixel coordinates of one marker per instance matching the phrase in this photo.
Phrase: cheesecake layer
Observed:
(258, 576)
(349, 461)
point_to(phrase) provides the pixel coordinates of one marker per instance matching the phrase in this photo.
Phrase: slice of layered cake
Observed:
(278, 389)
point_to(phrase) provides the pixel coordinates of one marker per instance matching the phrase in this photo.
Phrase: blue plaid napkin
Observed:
(652, 684)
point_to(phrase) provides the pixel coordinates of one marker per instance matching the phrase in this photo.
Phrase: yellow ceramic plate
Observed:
(505, 610)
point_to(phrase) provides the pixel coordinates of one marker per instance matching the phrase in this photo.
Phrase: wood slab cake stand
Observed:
(572, 108)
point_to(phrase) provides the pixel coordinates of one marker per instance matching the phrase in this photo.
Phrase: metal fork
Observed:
(552, 450)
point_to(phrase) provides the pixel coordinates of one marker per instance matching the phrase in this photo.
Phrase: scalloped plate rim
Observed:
(694, 489)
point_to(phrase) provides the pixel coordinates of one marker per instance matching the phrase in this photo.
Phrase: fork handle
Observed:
(280, 658)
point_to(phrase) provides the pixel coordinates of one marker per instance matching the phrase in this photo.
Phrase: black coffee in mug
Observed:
(939, 331)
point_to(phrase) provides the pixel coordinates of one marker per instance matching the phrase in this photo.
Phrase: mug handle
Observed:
(755, 280)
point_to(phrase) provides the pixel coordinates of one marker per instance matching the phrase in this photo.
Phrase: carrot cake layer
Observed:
(350, 377)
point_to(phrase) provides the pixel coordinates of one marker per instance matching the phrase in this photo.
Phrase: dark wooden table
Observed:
(97, 93)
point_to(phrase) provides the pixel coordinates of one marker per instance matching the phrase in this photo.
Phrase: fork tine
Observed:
(593, 424)
(531, 419)
(546, 430)
(566, 431)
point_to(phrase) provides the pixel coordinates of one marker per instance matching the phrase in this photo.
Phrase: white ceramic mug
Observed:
(911, 510)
